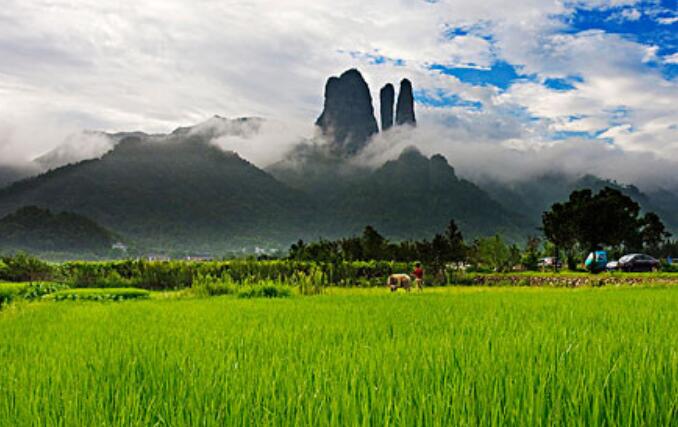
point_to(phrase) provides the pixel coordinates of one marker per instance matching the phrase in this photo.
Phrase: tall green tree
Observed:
(373, 243)
(653, 233)
(455, 240)
(608, 218)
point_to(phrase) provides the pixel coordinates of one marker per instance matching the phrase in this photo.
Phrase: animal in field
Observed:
(396, 281)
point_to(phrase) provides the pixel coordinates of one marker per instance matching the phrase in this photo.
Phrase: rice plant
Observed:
(447, 356)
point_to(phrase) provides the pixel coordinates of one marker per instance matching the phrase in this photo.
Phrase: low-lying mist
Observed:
(265, 142)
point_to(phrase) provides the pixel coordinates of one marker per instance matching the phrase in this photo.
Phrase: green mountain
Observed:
(174, 191)
(532, 197)
(10, 174)
(178, 193)
(40, 231)
(415, 196)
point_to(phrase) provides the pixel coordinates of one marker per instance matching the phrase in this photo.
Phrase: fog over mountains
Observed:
(228, 184)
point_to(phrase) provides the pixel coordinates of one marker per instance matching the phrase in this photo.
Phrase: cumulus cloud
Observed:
(154, 65)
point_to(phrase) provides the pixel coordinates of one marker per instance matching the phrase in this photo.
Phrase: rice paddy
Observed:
(452, 356)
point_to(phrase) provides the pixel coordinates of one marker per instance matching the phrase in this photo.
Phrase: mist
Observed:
(479, 153)
(515, 160)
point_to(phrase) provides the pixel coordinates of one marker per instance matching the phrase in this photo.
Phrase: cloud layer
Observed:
(597, 77)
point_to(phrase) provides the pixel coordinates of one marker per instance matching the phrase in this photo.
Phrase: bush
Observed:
(95, 294)
(267, 290)
(311, 283)
(25, 268)
(10, 291)
(40, 289)
(91, 278)
(208, 285)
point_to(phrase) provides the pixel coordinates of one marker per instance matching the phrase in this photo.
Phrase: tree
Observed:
(25, 268)
(455, 240)
(559, 226)
(297, 250)
(493, 252)
(608, 218)
(530, 258)
(373, 243)
(653, 233)
(351, 249)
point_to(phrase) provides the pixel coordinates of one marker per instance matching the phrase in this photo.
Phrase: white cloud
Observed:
(158, 64)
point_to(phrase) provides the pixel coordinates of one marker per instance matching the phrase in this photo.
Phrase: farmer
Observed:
(418, 274)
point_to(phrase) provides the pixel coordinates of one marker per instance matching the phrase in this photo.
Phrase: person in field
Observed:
(418, 274)
(396, 281)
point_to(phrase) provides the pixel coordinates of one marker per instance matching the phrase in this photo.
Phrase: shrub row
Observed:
(159, 275)
(309, 277)
(10, 292)
(110, 294)
(208, 285)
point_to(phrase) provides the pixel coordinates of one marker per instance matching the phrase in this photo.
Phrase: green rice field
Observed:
(449, 356)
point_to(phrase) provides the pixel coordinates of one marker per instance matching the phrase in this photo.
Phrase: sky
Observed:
(572, 84)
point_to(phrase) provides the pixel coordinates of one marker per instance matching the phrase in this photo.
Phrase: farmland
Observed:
(454, 355)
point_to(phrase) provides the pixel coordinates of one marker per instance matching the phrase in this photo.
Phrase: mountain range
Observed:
(179, 192)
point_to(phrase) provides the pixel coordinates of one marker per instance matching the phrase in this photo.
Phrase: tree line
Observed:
(571, 229)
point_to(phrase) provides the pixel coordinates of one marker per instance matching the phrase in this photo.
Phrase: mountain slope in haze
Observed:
(169, 191)
(89, 145)
(415, 196)
(40, 231)
(533, 197)
(11, 174)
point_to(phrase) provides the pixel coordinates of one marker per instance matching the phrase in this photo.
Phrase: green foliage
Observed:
(208, 285)
(167, 275)
(310, 283)
(94, 294)
(495, 254)
(447, 247)
(38, 290)
(265, 290)
(608, 218)
(10, 292)
(22, 267)
(530, 257)
(513, 357)
(653, 233)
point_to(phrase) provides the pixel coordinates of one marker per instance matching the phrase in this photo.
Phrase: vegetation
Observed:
(109, 294)
(265, 290)
(25, 268)
(354, 357)
(9, 292)
(608, 218)
(40, 231)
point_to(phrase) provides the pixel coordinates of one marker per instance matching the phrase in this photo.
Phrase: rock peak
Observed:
(348, 116)
(405, 107)
(386, 100)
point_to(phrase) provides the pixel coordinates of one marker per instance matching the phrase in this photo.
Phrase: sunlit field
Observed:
(452, 356)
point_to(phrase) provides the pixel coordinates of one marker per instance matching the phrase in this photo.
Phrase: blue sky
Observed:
(647, 23)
